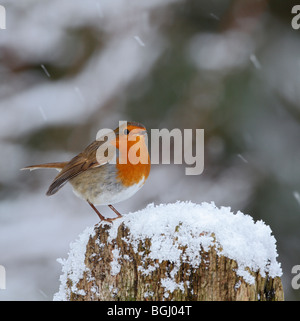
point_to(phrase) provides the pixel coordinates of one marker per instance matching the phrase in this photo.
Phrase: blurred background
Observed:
(71, 67)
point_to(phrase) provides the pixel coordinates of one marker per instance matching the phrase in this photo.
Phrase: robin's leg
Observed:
(102, 218)
(117, 212)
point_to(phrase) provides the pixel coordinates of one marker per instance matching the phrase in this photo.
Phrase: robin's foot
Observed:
(110, 219)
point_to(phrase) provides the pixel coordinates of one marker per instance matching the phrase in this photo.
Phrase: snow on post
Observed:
(180, 251)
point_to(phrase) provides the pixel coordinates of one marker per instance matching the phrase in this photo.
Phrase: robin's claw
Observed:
(110, 220)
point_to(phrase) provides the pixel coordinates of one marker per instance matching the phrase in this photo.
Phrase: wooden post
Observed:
(126, 280)
(118, 267)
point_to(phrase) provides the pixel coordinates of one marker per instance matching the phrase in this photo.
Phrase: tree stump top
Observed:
(180, 251)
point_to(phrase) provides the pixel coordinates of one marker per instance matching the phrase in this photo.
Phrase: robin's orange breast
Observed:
(130, 174)
(133, 162)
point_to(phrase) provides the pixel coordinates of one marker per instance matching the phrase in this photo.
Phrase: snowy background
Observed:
(71, 67)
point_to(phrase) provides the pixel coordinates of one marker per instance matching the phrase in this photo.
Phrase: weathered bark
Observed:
(214, 279)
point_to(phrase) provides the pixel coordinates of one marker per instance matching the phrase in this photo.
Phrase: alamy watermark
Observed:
(2, 278)
(184, 150)
(296, 19)
(2, 17)
(296, 279)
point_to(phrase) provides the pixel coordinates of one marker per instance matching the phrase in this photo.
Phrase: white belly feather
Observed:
(108, 197)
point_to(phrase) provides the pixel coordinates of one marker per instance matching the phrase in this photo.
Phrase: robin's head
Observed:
(130, 129)
(130, 133)
(128, 143)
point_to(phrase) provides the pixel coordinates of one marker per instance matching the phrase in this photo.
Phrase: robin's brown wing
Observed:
(86, 160)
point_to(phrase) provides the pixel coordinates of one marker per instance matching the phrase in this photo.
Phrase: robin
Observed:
(101, 182)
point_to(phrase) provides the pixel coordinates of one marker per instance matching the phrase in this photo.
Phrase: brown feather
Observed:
(80, 163)
(58, 165)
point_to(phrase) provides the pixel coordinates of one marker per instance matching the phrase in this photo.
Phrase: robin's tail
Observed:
(58, 166)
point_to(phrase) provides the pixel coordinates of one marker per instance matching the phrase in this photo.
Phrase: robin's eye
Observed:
(126, 131)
